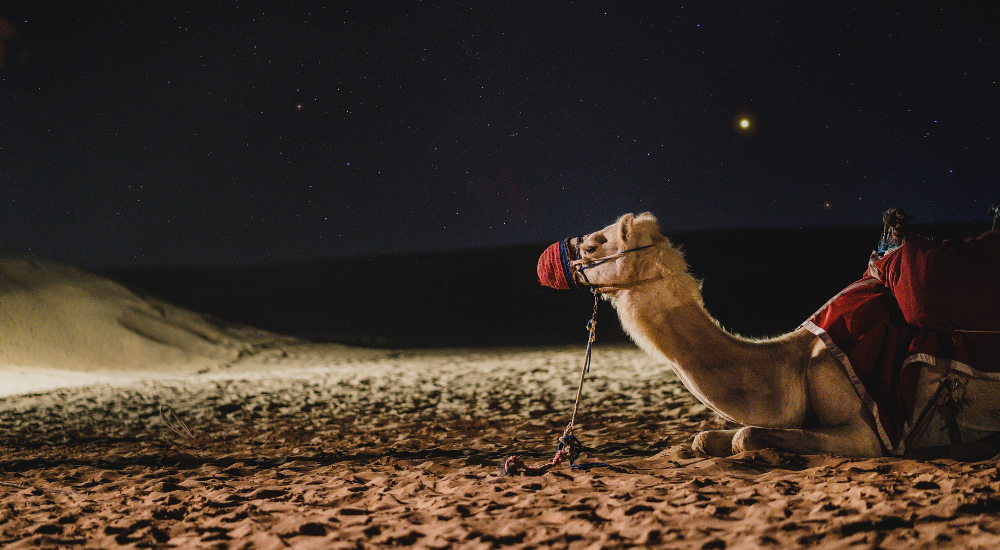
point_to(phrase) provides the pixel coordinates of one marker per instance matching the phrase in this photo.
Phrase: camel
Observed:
(790, 392)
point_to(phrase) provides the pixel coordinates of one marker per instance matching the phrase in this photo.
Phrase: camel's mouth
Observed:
(554, 269)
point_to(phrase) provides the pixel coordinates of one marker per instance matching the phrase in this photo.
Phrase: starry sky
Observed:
(238, 133)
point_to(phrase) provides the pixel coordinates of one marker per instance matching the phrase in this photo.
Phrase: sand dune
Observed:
(55, 318)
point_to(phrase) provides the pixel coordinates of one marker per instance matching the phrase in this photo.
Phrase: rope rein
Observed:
(568, 446)
(592, 329)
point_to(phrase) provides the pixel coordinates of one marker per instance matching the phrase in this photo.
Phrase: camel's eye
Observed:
(591, 247)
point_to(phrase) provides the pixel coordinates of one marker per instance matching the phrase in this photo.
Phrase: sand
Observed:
(318, 448)
(324, 446)
(53, 315)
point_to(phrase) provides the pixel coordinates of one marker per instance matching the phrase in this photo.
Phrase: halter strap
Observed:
(582, 268)
(598, 261)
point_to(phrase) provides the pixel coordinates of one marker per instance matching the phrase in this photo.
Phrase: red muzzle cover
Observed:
(553, 267)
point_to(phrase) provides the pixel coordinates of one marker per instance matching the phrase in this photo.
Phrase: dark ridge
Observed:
(757, 282)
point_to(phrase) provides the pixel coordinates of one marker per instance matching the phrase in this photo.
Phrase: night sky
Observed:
(138, 133)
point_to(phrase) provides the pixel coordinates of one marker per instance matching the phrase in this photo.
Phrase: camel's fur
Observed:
(789, 392)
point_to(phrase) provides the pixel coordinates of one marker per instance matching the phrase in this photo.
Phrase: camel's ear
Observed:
(647, 216)
(625, 226)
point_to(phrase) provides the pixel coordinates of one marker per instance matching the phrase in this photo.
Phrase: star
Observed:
(743, 123)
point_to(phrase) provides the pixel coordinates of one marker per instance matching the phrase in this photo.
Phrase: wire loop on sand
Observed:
(174, 422)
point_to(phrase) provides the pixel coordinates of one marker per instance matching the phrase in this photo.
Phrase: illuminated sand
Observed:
(324, 446)
(315, 449)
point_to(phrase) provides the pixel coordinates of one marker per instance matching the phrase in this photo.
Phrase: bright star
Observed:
(744, 124)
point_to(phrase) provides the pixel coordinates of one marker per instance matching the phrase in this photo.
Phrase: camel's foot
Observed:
(715, 442)
(751, 439)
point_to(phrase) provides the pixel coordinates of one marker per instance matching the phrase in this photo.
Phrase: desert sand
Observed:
(306, 445)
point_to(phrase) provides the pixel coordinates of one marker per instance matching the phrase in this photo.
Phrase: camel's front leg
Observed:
(857, 441)
(846, 424)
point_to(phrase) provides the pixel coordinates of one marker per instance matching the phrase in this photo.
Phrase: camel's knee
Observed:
(714, 442)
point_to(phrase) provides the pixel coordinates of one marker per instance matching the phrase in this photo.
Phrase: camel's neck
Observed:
(751, 382)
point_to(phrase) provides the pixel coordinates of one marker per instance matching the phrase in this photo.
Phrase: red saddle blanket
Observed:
(953, 285)
(867, 331)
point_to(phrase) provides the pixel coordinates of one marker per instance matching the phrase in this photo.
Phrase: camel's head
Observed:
(627, 252)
